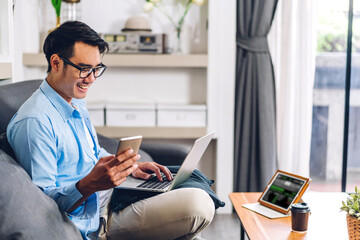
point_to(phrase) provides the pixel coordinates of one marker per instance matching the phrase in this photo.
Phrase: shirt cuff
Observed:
(71, 196)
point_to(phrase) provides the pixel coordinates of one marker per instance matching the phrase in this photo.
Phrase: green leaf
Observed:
(345, 209)
(57, 6)
(356, 207)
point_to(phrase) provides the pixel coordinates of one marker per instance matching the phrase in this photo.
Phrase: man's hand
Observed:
(109, 172)
(146, 167)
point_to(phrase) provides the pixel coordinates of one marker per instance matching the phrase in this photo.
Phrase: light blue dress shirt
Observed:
(48, 137)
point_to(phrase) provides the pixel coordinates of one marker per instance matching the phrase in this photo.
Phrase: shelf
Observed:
(5, 70)
(153, 132)
(134, 60)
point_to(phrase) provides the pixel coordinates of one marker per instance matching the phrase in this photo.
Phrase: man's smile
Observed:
(83, 86)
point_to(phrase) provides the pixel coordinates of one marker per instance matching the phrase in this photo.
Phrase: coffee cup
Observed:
(299, 217)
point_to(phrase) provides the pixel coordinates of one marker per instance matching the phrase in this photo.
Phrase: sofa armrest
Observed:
(166, 154)
(5, 146)
(26, 212)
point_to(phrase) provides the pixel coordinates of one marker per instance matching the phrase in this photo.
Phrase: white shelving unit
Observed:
(5, 70)
(142, 60)
(153, 132)
(133, 60)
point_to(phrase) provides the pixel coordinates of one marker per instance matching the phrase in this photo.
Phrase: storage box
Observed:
(181, 115)
(96, 113)
(130, 115)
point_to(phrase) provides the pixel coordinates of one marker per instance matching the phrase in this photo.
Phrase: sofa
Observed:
(25, 211)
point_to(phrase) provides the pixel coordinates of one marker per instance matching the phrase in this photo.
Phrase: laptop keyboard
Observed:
(154, 183)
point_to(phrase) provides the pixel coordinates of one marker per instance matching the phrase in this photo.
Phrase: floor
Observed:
(223, 226)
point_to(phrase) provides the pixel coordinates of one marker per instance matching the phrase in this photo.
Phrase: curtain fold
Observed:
(255, 121)
(293, 44)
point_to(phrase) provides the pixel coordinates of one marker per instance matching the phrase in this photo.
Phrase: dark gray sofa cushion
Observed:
(5, 146)
(12, 96)
(25, 211)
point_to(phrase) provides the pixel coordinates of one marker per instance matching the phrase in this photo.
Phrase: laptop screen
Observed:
(283, 190)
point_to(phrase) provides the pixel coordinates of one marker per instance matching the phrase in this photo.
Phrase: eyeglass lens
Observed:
(85, 72)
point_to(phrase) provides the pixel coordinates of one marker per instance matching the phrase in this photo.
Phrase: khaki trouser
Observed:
(178, 214)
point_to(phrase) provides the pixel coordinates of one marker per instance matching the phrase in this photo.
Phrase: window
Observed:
(326, 158)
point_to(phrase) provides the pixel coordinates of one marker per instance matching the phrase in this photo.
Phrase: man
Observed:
(54, 141)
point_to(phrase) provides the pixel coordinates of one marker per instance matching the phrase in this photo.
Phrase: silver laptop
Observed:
(186, 169)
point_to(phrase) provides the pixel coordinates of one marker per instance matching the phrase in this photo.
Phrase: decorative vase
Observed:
(353, 225)
(57, 22)
(70, 10)
(179, 41)
(177, 45)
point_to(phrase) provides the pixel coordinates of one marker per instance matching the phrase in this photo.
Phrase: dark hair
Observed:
(62, 40)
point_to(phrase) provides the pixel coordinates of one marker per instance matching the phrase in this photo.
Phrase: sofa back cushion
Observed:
(25, 211)
(12, 96)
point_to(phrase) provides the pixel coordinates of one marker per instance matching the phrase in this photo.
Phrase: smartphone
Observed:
(129, 142)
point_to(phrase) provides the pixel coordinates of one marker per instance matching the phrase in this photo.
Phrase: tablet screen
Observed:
(283, 190)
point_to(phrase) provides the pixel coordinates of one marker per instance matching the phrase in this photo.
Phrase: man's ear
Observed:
(55, 62)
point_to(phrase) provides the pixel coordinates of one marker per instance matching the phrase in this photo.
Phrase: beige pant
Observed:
(178, 214)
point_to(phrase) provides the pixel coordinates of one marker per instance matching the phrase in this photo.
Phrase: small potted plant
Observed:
(352, 207)
(57, 5)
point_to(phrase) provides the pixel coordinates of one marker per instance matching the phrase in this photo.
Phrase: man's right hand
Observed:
(108, 172)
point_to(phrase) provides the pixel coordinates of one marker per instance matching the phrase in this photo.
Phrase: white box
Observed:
(96, 113)
(130, 115)
(181, 115)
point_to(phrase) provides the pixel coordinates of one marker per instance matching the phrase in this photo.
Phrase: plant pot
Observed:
(353, 225)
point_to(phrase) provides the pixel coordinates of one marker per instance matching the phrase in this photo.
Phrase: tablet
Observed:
(283, 190)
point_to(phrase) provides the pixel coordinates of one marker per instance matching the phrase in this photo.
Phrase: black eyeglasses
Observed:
(86, 71)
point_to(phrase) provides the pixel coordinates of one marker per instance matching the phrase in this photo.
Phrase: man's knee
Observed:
(181, 213)
(198, 204)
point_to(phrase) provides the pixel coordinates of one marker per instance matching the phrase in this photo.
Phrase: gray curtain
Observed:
(255, 135)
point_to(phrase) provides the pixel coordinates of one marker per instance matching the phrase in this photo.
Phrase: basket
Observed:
(353, 225)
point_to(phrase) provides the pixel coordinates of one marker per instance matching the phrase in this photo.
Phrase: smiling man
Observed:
(55, 142)
(74, 84)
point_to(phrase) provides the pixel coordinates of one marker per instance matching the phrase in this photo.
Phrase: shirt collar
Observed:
(62, 106)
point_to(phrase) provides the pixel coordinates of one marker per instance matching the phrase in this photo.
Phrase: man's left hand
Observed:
(145, 167)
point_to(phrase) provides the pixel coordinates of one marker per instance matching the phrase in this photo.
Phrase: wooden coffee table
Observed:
(325, 222)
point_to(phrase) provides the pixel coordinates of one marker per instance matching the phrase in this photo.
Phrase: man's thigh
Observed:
(178, 213)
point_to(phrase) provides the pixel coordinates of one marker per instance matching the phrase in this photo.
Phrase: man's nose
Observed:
(91, 78)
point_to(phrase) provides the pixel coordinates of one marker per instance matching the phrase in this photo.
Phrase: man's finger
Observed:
(127, 163)
(106, 159)
(157, 171)
(121, 176)
(141, 174)
(166, 171)
(120, 158)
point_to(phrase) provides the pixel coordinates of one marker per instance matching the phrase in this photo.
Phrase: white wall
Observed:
(221, 85)
(6, 41)
(213, 86)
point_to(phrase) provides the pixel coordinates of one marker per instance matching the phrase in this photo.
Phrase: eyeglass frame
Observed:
(92, 70)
